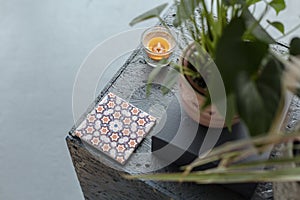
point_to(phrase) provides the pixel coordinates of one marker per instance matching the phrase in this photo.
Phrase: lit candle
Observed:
(158, 48)
(158, 43)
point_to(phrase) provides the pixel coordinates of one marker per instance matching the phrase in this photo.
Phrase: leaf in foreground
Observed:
(155, 12)
(278, 5)
(203, 177)
(277, 25)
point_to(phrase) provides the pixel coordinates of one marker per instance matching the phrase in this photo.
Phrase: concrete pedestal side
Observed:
(288, 190)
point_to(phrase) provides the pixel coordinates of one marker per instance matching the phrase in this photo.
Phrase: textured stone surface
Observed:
(99, 181)
(285, 190)
(289, 190)
(265, 190)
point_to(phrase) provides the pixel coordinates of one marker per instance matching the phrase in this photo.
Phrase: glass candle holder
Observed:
(158, 43)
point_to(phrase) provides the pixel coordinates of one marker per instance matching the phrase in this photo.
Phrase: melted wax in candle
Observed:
(159, 46)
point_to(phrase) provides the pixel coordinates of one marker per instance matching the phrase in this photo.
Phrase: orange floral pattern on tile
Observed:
(122, 127)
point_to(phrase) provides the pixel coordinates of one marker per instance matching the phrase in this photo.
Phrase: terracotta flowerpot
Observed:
(193, 98)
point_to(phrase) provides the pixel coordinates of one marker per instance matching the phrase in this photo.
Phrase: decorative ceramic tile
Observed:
(115, 127)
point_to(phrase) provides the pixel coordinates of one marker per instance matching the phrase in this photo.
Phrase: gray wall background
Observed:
(42, 44)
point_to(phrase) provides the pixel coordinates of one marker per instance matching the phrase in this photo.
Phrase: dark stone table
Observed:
(99, 181)
(101, 178)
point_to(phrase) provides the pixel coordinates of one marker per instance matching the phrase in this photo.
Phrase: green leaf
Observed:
(170, 80)
(176, 21)
(258, 99)
(271, 162)
(152, 76)
(185, 11)
(256, 29)
(233, 148)
(233, 2)
(226, 176)
(234, 55)
(235, 29)
(231, 110)
(206, 103)
(155, 12)
(187, 8)
(278, 5)
(277, 25)
(295, 46)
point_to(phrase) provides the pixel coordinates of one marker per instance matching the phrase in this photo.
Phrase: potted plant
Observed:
(255, 77)
(226, 35)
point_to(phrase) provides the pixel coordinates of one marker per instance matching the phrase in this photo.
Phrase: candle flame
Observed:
(159, 46)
